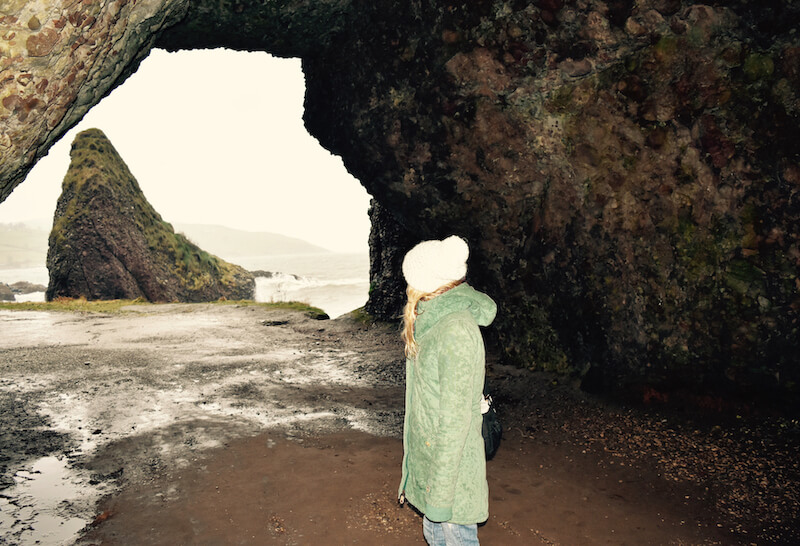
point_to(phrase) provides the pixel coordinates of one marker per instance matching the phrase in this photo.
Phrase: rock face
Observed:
(25, 287)
(108, 242)
(6, 294)
(627, 173)
(388, 243)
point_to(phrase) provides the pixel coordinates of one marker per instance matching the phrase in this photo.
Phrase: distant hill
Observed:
(22, 246)
(231, 243)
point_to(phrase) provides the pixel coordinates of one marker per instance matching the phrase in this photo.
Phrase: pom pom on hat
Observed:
(432, 264)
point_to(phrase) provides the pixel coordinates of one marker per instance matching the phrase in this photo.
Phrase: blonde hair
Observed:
(410, 313)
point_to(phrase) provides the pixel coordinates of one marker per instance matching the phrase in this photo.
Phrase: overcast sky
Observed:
(216, 137)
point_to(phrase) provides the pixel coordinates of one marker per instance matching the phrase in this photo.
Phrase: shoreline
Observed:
(159, 404)
(337, 283)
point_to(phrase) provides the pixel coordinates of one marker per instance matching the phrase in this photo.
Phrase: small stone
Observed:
(633, 28)
(41, 44)
(34, 24)
(576, 69)
(274, 322)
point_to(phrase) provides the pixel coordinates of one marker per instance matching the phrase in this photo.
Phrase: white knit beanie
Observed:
(432, 264)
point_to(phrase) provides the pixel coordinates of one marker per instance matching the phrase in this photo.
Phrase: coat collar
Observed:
(462, 297)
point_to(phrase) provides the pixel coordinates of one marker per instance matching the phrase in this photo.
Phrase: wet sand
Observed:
(228, 424)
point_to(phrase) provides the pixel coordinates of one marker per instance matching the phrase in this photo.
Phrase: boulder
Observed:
(25, 287)
(108, 242)
(6, 294)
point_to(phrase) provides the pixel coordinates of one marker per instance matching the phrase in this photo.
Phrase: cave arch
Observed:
(623, 172)
(181, 137)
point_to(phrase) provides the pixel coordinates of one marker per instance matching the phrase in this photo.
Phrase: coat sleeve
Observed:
(457, 364)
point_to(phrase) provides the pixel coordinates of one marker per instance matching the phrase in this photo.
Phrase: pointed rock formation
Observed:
(108, 242)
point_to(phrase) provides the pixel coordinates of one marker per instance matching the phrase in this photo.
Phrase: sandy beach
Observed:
(242, 424)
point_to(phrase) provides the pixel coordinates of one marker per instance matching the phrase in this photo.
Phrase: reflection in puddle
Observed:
(48, 505)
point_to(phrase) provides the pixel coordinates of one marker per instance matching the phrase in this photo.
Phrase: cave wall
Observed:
(626, 171)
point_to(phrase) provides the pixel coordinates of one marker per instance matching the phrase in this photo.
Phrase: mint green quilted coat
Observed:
(444, 463)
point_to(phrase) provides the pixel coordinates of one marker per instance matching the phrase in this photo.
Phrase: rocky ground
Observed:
(241, 424)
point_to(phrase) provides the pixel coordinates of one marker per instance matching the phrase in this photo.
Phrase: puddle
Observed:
(49, 504)
(135, 391)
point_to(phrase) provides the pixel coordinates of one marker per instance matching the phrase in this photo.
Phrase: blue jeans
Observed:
(449, 534)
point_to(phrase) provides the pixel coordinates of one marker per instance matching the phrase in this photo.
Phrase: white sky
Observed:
(216, 137)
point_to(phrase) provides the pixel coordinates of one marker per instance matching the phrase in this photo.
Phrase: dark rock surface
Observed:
(108, 242)
(388, 243)
(6, 294)
(626, 172)
(25, 287)
(627, 177)
(270, 274)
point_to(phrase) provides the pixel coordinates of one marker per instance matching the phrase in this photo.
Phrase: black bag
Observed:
(492, 430)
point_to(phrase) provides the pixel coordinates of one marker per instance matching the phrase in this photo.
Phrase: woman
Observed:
(444, 463)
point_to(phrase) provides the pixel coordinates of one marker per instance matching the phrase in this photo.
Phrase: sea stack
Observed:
(108, 242)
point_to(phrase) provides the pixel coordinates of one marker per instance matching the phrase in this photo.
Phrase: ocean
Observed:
(336, 283)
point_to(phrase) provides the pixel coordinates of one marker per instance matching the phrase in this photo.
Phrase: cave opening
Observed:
(215, 138)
